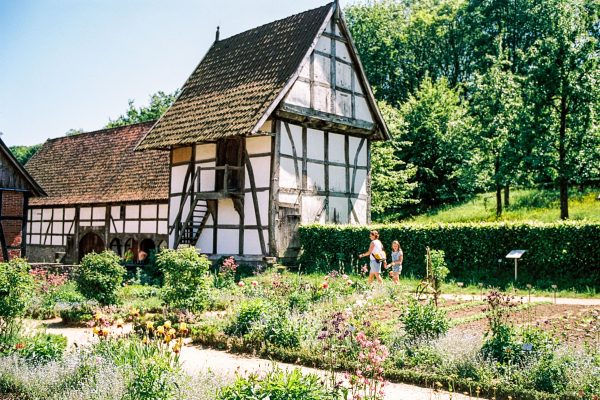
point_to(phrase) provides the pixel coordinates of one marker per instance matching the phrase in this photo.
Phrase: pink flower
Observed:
(241, 284)
(349, 282)
(324, 285)
(345, 277)
(254, 283)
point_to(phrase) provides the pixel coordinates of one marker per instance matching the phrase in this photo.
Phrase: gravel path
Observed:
(195, 359)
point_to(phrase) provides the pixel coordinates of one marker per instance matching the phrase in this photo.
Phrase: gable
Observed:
(14, 176)
(332, 86)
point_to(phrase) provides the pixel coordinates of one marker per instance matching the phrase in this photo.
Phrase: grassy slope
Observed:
(526, 205)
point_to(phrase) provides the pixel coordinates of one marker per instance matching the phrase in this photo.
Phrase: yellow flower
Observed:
(160, 330)
(104, 332)
(167, 324)
(167, 339)
(96, 331)
(172, 332)
(183, 327)
(134, 312)
(98, 316)
(146, 340)
(150, 325)
(120, 323)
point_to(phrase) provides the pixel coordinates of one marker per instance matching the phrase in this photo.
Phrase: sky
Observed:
(74, 64)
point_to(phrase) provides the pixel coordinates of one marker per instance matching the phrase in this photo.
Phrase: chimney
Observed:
(217, 35)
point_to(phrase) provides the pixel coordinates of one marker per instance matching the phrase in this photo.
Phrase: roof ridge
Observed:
(103, 130)
(330, 4)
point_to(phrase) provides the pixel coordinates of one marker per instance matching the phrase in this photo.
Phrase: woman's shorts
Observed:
(397, 269)
(375, 266)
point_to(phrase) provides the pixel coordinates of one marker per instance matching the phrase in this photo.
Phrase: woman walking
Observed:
(376, 255)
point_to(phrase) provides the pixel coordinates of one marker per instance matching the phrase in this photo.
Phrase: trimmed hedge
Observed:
(566, 254)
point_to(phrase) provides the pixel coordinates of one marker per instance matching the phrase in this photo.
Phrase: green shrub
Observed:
(185, 278)
(277, 329)
(551, 375)
(563, 253)
(76, 313)
(248, 313)
(277, 385)
(47, 305)
(99, 277)
(423, 321)
(16, 285)
(502, 345)
(44, 347)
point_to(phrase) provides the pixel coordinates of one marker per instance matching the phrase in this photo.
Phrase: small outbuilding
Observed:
(17, 187)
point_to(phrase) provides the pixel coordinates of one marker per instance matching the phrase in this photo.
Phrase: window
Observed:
(229, 165)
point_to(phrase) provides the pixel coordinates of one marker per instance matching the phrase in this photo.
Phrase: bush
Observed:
(563, 253)
(225, 272)
(276, 329)
(16, 285)
(424, 321)
(277, 385)
(43, 347)
(248, 313)
(185, 278)
(100, 276)
(47, 304)
(76, 313)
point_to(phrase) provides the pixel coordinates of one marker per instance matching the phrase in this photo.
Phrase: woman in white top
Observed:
(375, 248)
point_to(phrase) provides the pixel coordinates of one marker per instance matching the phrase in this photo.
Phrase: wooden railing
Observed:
(225, 187)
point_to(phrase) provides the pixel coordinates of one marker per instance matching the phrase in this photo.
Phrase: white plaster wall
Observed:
(117, 227)
(261, 166)
(322, 69)
(354, 143)
(337, 178)
(258, 145)
(57, 228)
(322, 99)
(36, 215)
(324, 45)
(84, 213)
(99, 213)
(227, 215)
(149, 211)
(174, 208)
(252, 242)
(315, 143)
(148, 227)
(360, 208)
(340, 206)
(290, 198)
(336, 148)
(163, 228)
(299, 94)
(315, 174)
(163, 211)
(206, 151)
(115, 212)
(58, 214)
(343, 75)
(228, 241)
(360, 181)
(343, 104)
(131, 227)
(207, 177)
(205, 242)
(263, 208)
(341, 51)
(132, 212)
(311, 206)
(362, 109)
(286, 144)
(178, 178)
(69, 214)
(287, 173)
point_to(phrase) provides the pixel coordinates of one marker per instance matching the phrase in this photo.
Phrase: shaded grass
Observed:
(526, 205)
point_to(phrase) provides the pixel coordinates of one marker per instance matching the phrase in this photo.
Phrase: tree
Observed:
(437, 130)
(24, 153)
(73, 132)
(496, 104)
(391, 188)
(563, 86)
(159, 103)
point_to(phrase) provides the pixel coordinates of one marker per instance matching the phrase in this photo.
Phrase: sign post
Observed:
(516, 254)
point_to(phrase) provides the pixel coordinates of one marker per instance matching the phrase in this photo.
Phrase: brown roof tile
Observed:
(100, 167)
(237, 81)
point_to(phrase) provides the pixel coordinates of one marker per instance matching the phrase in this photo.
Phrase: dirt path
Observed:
(559, 300)
(195, 359)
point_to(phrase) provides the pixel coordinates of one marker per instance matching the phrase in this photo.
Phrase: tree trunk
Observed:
(563, 179)
(498, 188)
(507, 195)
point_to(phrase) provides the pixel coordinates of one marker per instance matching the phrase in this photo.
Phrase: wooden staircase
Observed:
(191, 228)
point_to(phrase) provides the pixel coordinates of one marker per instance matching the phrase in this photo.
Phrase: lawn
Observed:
(526, 205)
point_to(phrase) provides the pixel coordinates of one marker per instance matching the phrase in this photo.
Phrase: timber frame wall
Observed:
(13, 223)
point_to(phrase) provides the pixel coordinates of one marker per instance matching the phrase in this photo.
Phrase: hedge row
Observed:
(566, 254)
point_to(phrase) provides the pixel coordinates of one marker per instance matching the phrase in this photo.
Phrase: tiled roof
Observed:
(100, 167)
(238, 79)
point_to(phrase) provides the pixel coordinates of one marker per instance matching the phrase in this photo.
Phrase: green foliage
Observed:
(159, 103)
(76, 313)
(560, 253)
(153, 369)
(100, 276)
(24, 153)
(249, 313)
(47, 304)
(185, 278)
(275, 328)
(44, 347)
(16, 285)
(423, 321)
(277, 385)
(439, 268)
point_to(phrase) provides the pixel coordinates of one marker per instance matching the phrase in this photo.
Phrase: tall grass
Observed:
(526, 205)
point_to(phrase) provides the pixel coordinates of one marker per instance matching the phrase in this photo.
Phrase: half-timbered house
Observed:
(16, 189)
(101, 195)
(273, 129)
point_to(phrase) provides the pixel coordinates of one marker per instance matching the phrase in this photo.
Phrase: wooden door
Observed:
(90, 242)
